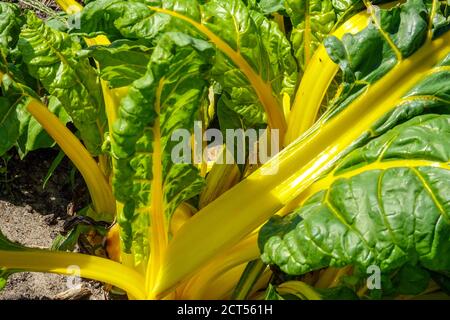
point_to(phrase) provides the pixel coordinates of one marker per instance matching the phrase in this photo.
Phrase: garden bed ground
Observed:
(34, 216)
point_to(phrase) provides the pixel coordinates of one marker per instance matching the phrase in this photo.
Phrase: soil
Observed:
(34, 216)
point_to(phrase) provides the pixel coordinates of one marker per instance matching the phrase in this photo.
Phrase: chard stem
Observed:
(90, 267)
(99, 189)
(318, 76)
(263, 89)
(299, 165)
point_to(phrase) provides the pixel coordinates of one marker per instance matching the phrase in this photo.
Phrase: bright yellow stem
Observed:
(318, 76)
(101, 194)
(240, 254)
(262, 88)
(221, 178)
(158, 229)
(243, 208)
(90, 267)
(69, 6)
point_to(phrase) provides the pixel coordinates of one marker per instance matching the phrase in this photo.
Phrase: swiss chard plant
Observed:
(357, 94)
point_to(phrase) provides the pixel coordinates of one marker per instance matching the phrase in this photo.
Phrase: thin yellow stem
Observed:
(316, 80)
(158, 230)
(300, 289)
(99, 189)
(90, 267)
(262, 88)
(96, 182)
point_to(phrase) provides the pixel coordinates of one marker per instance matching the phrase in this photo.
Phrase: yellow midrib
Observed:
(430, 192)
(319, 73)
(326, 182)
(317, 78)
(90, 267)
(386, 36)
(300, 164)
(263, 89)
(158, 229)
(432, 16)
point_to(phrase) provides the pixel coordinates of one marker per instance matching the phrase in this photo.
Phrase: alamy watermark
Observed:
(74, 280)
(374, 278)
(239, 146)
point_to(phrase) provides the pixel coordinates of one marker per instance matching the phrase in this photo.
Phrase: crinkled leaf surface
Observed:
(10, 23)
(51, 57)
(385, 204)
(253, 63)
(166, 99)
(122, 62)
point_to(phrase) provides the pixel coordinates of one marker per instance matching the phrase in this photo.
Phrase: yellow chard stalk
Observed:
(300, 164)
(96, 182)
(202, 255)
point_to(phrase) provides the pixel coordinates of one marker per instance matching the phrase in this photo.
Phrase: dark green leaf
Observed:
(411, 280)
(367, 214)
(51, 57)
(10, 22)
(254, 40)
(337, 293)
(122, 62)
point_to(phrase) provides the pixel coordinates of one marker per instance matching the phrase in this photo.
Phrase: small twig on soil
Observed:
(81, 293)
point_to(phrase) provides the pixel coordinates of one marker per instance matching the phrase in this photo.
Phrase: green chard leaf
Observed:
(14, 117)
(122, 62)
(51, 57)
(10, 22)
(9, 123)
(253, 63)
(313, 21)
(270, 6)
(385, 204)
(411, 280)
(272, 294)
(337, 293)
(166, 99)
(270, 58)
(367, 56)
